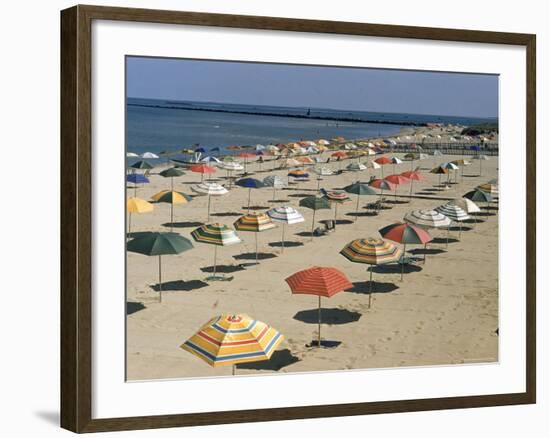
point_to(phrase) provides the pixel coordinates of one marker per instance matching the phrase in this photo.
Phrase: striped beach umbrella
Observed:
(371, 251)
(218, 235)
(233, 339)
(135, 179)
(454, 213)
(381, 184)
(356, 167)
(314, 203)
(360, 189)
(159, 244)
(427, 219)
(276, 182)
(142, 164)
(320, 281)
(136, 205)
(466, 204)
(250, 183)
(405, 233)
(202, 169)
(492, 189)
(255, 222)
(336, 197)
(230, 167)
(209, 189)
(171, 197)
(171, 173)
(285, 215)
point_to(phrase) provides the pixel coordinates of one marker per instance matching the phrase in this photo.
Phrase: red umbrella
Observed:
(406, 233)
(382, 184)
(383, 161)
(397, 180)
(339, 154)
(202, 169)
(320, 281)
(413, 176)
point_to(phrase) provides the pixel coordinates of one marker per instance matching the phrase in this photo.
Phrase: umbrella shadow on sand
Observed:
(252, 256)
(180, 285)
(133, 307)
(332, 316)
(257, 207)
(363, 287)
(223, 269)
(279, 360)
(299, 195)
(287, 244)
(457, 228)
(443, 240)
(394, 268)
(190, 224)
(426, 251)
(226, 214)
(361, 214)
(278, 201)
(136, 234)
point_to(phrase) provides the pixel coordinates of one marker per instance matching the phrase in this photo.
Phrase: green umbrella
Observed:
(159, 244)
(479, 196)
(315, 203)
(142, 164)
(358, 188)
(171, 173)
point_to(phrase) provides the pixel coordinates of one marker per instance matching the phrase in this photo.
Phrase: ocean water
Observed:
(159, 125)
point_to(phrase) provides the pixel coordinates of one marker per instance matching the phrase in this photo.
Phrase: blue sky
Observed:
(378, 90)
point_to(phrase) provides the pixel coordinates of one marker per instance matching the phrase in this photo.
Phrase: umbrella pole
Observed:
(208, 219)
(171, 216)
(273, 190)
(448, 231)
(480, 162)
(135, 190)
(319, 324)
(256, 239)
(370, 287)
(248, 206)
(459, 230)
(403, 260)
(233, 369)
(357, 209)
(335, 213)
(425, 247)
(215, 256)
(129, 223)
(172, 184)
(313, 223)
(411, 191)
(160, 280)
(283, 239)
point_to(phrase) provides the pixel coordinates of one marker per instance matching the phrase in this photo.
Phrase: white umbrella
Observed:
(210, 189)
(274, 181)
(131, 155)
(149, 155)
(285, 215)
(454, 213)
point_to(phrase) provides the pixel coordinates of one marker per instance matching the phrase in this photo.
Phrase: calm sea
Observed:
(160, 125)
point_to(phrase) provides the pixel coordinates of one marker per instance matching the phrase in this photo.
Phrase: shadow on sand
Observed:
(252, 256)
(133, 307)
(279, 360)
(328, 316)
(180, 285)
(363, 287)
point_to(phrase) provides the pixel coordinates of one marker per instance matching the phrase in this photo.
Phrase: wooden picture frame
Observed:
(76, 217)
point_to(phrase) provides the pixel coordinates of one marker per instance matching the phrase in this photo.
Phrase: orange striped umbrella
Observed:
(320, 281)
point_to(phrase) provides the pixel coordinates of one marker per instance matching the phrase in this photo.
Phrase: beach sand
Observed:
(444, 311)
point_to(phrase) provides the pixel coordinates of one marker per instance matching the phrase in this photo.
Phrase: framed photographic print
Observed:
(308, 218)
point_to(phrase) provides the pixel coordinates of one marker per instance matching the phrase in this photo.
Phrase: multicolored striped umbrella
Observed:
(171, 197)
(320, 281)
(285, 215)
(202, 169)
(233, 339)
(209, 189)
(466, 204)
(255, 222)
(276, 182)
(405, 233)
(159, 244)
(314, 203)
(218, 235)
(372, 252)
(137, 205)
(427, 219)
(492, 189)
(455, 214)
(336, 197)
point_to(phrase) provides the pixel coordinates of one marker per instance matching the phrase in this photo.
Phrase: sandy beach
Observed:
(444, 311)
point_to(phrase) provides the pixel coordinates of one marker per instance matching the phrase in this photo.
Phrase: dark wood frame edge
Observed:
(76, 341)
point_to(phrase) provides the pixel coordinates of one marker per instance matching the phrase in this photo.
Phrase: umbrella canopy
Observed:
(137, 205)
(360, 188)
(231, 166)
(211, 189)
(285, 214)
(159, 244)
(171, 172)
(233, 339)
(202, 169)
(405, 233)
(461, 162)
(336, 196)
(439, 170)
(449, 166)
(142, 164)
(466, 204)
(171, 197)
(374, 165)
(397, 179)
(305, 160)
(298, 174)
(137, 178)
(479, 196)
(371, 251)
(339, 154)
(427, 219)
(254, 222)
(396, 160)
(320, 281)
(215, 234)
(314, 203)
(413, 175)
(149, 155)
(383, 161)
(274, 181)
(492, 189)
(323, 171)
(250, 183)
(356, 167)
(411, 156)
(382, 184)
(453, 212)
(131, 155)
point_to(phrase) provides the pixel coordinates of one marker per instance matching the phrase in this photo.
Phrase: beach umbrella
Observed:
(209, 189)
(455, 214)
(149, 155)
(171, 173)
(255, 222)
(339, 154)
(439, 171)
(320, 281)
(371, 251)
(413, 176)
(202, 169)
(461, 163)
(142, 164)
(397, 180)
(135, 179)
(466, 204)
(360, 189)
(383, 161)
(479, 196)
(230, 167)
(450, 166)
(323, 142)
(490, 188)
(131, 155)
(246, 156)
(314, 203)
(287, 216)
(274, 181)
(250, 183)
(159, 244)
(233, 339)
(382, 184)
(405, 233)
(481, 159)
(395, 161)
(336, 197)
(374, 165)
(218, 235)
(305, 160)
(427, 219)
(356, 167)
(137, 205)
(210, 159)
(171, 197)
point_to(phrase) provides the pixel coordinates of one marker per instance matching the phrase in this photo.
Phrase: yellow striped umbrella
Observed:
(256, 222)
(372, 252)
(137, 205)
(233, 339)
(171, 197)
